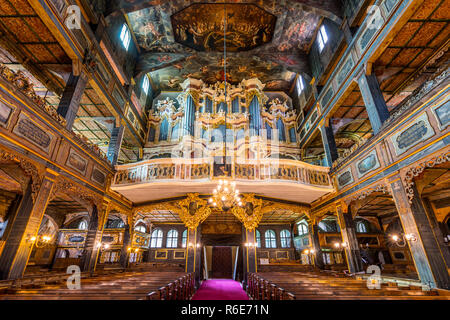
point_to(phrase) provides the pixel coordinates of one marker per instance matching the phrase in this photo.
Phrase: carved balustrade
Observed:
(204, 169)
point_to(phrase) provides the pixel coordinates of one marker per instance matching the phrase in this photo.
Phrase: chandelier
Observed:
(225, 195)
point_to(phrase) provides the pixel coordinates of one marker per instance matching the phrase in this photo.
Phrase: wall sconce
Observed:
(309, 251)
(40, 241)
(192, 245)
(250, 244)
(103, 246)
(402, 239)
(340, 245)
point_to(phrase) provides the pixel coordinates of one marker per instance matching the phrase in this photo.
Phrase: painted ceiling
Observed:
(267, 39)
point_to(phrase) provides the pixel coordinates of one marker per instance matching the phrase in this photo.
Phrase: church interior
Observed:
(224, 150)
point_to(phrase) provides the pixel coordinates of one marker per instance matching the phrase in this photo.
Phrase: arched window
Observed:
(157, 238)
(184, 239)
(83, 225)
(140, 228)
(172, 239)
(322, 37)
(302, 229)
(361, 227)
(258, 239)
(285, 237)
(125, 36)
(271, 240)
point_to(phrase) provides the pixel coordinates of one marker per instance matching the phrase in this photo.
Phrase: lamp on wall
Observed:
(250, 244)
(40, 241)
(402, 239)
(340, 245)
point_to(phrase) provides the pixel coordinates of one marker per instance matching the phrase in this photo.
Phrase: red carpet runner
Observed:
(220, 289)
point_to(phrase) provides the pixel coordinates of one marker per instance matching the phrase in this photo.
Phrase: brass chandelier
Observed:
(225, 195)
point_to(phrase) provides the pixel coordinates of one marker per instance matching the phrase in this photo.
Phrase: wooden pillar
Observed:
(329, 144)
(192, 250)
(24, 225)
(318, 259)
(93, 238)
(428, 259)
(114, 144)
(124, 254)
(348, 232)
(70, 100)
(373, 100)
(250, 251)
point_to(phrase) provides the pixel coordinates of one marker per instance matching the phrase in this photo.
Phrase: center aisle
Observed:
(220, 289)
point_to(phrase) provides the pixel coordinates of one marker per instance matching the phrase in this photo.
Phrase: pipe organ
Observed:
(192, 123)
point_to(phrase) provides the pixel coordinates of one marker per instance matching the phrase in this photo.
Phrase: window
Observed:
(145, 84)
(140, 228)
(157, 237)
(302, 229)
(184, 239)
(271, 241)
(285, 237)
(172, 239)
(125, 36)
(322, 37)
(361, 227)
(83, 225)
(258, 239)
(300, 84)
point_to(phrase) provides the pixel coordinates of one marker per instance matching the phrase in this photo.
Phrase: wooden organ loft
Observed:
(115, 131)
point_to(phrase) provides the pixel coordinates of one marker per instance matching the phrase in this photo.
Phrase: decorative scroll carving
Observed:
(362, 194)
(19, 80)
(251, 213)
(417, 169)
(193, 210)
(63, 185)
(28, 167)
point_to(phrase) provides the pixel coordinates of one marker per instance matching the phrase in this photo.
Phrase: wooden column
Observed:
(22, 226)
(318, 259)
(437, 231)
(114, 144)
(251, 262)
(124, 254)
(93, 238)
(329, 144)
(428, 259)
(373, 100)
(348, 232)
(192, 250)
(70, 100)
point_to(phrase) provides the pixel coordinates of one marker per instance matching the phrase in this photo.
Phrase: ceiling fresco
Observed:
(268, 39)
(201, 27)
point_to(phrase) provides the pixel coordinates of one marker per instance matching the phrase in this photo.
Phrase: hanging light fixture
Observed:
(225, 195)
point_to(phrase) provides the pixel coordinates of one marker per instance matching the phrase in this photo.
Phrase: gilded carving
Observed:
(193, 210)
(29, 169)
(251, 213)
(414, 171)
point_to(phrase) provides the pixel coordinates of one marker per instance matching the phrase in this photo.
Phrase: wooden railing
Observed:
(259, 288)
(202, 169)
(181, 289)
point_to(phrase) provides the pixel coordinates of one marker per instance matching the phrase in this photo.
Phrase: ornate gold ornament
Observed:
(251, 213)
(417, 169)
(193, 210)
(28, 167)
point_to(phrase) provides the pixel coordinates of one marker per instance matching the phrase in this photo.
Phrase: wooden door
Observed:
(222, 264)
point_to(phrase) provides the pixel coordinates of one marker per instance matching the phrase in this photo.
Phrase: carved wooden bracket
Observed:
(417, 169)
(192, 210)
(251, 213)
